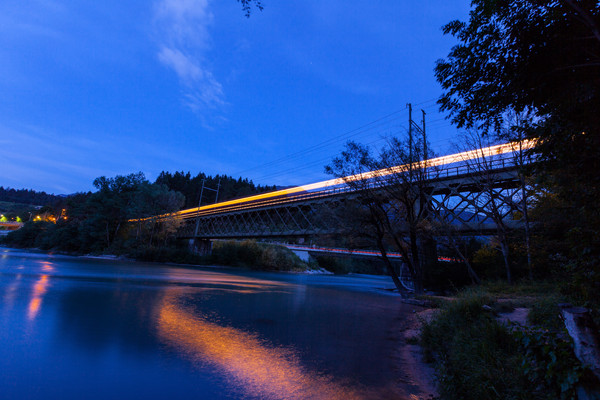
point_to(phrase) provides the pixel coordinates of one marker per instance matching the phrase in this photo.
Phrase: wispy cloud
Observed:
(183, 42)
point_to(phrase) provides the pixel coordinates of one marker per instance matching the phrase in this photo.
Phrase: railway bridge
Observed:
(458, 188)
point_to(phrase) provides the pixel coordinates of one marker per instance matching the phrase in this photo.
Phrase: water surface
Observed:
(76, 328)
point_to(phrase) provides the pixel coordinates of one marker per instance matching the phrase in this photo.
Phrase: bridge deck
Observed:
(452, 183)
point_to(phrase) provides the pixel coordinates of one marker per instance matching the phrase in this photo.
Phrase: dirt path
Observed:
(416, 377)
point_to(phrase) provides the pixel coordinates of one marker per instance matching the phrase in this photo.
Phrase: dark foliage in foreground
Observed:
(476, 357)
(539, 60)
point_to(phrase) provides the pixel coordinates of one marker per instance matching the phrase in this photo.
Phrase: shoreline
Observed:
(416, 374)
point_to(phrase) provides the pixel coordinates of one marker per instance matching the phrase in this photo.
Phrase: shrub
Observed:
(476, 357)
(488, 263)
(251, 254)
(26, 236)
(549, 364)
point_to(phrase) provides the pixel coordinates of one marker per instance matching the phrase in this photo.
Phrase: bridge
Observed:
(453, 190)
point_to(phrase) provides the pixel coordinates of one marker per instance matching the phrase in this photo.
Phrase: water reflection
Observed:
(37, 295)
(129, 330)
(11, 292)
(259, 369)
(39, 290)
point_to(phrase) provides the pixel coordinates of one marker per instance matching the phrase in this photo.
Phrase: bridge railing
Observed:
(472, 167)
(479, 161)
(432, 173)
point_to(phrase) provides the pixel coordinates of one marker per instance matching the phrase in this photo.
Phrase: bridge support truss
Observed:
(460, 202)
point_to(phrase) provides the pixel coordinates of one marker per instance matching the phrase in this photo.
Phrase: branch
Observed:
(586, 18)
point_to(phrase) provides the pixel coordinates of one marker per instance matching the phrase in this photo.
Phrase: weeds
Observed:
(476, 357)
(251, 254)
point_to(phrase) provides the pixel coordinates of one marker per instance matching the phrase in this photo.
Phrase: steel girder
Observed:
(470, 203)
(477, 203)
(300, 219)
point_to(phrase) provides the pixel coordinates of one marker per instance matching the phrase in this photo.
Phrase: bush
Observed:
(488, 263)
(476, 357)
(549, 364)
(251, 254)
(26, 236)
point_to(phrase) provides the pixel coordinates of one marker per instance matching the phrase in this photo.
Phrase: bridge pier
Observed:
(427, 252)
(201, 246)
(302, 254)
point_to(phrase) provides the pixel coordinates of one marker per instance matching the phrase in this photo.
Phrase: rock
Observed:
(585, 334)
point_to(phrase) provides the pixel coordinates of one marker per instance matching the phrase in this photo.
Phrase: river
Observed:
(82, 328)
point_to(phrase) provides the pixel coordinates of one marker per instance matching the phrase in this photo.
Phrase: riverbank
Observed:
(503, 342)
(416, 373)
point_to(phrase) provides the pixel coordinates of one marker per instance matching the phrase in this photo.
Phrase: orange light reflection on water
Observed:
(259, 369)
(39, 289)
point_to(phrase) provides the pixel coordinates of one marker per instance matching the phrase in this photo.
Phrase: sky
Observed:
(91, 89)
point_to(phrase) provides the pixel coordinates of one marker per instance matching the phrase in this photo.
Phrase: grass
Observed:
(523, 288)
(477, 357)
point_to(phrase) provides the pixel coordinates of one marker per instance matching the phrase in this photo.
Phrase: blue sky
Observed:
(115, 87)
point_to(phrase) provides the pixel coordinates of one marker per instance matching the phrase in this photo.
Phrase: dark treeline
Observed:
(190, 187)
(99, 221)
(27, 196)
(120, 217)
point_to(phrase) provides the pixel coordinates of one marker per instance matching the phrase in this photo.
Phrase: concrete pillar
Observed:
(201, 246)
(428, 252)
(302, 254)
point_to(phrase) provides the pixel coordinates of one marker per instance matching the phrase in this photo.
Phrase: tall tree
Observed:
(391, 189)
(542, 58)
(536, 56)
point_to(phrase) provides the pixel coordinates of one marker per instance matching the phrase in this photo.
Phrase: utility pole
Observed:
(217, 195)
(425, 155)
(410, 137)
(412, 124)
(427, 247)
(200, 201)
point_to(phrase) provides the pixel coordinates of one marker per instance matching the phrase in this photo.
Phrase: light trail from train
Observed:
(327, 187)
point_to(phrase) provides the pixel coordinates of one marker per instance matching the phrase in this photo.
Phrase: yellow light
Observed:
(330, 183)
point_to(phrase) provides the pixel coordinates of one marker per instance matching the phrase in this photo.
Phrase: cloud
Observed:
(186, 68)
(184, 41)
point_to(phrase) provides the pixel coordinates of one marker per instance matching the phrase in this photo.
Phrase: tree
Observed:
(496, 203)
(541, 58)
(154, 206)
(111, 205)
(508, 59)
(391, 193)
(247, 6)
(229, 187)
